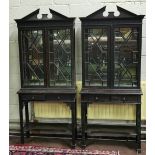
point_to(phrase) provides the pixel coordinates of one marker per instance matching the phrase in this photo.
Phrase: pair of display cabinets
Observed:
(111, 60)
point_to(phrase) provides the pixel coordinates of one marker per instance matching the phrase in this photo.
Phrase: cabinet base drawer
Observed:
(60, 97)
(33, 97)
(110, 98)
(124, 98)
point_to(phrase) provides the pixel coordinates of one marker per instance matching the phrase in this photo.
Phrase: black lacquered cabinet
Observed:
(111, 62)
(46, 50)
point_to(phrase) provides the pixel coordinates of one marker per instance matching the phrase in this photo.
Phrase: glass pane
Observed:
(33, 66)
(60, 57)
(95, 46)
(126, 57)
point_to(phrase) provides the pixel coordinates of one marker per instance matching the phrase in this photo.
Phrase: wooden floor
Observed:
(124, 147)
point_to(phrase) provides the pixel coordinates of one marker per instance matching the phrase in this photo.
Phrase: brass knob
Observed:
(96, 98)
(124, 99)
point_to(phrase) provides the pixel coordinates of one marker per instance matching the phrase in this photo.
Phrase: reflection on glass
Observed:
(126, 57)
(60, 57)
(95, 46)
(33, 68)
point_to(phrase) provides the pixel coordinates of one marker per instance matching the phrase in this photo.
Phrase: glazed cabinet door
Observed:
(126, 57)
(95, 56)
(32, 58)
(60, 57)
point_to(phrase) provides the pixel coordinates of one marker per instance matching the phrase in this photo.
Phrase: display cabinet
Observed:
(111, 62)
(46, 51)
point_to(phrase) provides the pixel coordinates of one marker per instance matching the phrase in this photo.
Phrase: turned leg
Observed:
(75, 120)
(21, 120)
(83, 123)
(27, 120)
(86, 120)
(73, 110)
(138, 127)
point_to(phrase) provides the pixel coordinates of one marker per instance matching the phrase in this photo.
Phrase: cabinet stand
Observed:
(27, 95)
(109, 96)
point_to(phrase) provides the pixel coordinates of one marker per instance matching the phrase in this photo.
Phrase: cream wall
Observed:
(95, 111)
(70, 8)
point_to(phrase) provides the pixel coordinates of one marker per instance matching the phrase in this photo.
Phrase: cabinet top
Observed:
(33, 19)
(112, 91)
(121, 14)
(47, 91)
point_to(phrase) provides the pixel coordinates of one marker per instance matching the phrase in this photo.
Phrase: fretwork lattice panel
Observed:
(33, 58)
(126, 55)
(60, 57)
(95, 47)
